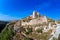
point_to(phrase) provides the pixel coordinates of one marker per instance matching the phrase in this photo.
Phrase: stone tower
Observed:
(36, 14)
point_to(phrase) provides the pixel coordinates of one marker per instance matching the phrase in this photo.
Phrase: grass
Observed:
(43, 36)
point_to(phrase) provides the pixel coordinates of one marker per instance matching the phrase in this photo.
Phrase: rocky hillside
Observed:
(34, 27)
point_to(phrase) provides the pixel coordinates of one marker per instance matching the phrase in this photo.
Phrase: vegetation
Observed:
(59, 37)
(59, 21)
(2, 25)
(39, 30)
(54, 38)
(6, 34)
(42, 36)
(51, 20)
(29, 30)
(3, 22)
(28, 38)
(27, 19)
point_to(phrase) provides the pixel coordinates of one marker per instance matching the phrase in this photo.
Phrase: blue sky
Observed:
(17, 9)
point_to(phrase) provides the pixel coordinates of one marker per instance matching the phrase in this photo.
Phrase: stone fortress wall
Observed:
(36, 19)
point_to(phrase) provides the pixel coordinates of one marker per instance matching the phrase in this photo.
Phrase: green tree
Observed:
(6, 34)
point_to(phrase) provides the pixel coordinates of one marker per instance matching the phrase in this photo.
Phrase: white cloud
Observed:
(7, 17)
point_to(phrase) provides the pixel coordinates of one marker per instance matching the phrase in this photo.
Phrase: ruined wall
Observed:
(39, 20)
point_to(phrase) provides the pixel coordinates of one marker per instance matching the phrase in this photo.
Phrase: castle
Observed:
(36, 19)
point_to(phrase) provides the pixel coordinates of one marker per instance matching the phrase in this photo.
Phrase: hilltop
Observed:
(33, 27)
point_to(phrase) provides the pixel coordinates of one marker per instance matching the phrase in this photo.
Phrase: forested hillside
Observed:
(2, 24)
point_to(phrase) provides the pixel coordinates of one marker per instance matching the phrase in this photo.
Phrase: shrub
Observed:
(54, 38)
(29, 30)
(51, 20)
(6, 34)
(28, 38)
(39, 30)
(27, 19)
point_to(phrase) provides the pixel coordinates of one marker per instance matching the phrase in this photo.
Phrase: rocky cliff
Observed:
(35, 27)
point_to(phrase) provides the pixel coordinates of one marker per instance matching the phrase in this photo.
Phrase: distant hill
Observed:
(2, 24)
